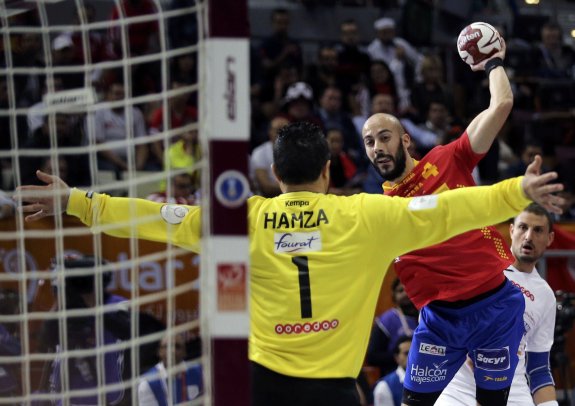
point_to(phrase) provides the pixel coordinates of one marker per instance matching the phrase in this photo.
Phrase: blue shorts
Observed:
(489, 331)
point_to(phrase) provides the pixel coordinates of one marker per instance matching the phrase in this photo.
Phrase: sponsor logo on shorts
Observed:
(427, 375)
(432, 349)
(305, 328)
(298, 203)
(297, 242)
(492, 359)
(487, 378)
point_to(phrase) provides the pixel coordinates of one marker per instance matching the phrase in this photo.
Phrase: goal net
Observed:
(111, 97)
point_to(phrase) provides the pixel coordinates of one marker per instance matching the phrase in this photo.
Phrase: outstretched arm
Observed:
(116, 216)
(44, 201)
(484, 128)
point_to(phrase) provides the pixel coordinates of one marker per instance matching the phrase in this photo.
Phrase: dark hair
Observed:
(83, 283)
(348, 21)
(538, 210)
(396, 282)
(401, 340)
(279, 10)
(300, 153)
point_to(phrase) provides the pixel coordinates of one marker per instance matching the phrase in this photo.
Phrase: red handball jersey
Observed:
(466, 265)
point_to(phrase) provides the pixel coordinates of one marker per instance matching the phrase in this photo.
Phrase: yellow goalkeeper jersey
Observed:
(317, 261)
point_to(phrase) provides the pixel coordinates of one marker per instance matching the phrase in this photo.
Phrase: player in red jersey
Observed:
(467, 305)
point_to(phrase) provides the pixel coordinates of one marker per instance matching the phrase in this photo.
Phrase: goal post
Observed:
(226, 119)
(185, 292)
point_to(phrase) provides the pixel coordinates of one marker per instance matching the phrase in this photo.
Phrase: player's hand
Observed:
(538, 188)
(499, 54)
(41, 200)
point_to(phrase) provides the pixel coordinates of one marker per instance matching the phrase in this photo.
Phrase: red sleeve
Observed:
(461, 150)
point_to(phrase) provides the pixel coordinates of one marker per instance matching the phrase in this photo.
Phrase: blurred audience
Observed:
(344, 179)
(114, 123)
(184, 378)
(181, 190)
(402, 58)
(260, 165)
(279, 48)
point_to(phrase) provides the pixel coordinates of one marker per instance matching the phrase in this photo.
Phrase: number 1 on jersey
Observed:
(304, 286)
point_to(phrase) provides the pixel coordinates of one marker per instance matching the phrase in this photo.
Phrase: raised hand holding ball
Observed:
(477, 42)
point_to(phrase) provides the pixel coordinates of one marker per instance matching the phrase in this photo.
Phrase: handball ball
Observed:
(478, 41)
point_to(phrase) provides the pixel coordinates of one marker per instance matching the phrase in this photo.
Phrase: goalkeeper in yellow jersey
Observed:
(317, 260)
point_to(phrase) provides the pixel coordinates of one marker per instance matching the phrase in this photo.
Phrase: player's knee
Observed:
(419, 399)
(486, 397)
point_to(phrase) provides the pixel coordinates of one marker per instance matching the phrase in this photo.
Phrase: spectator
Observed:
(184, 69)
(272, 93)
(66, 134)
(36, 113)
(381, 80)
(142, 36)
(27, 53)
(323, 74)
(80, 292)
(180, 191)
(439, 123)
(555, 59)
(298, 104)
(389, 389)
(182, 29)
(63, 54)
(279, 47)
(332, 115)
(185, 153)
(261, 160)
(113, 123)
(431, 87)
(529, 149)
(342, 170)
(353, 61)
(404, 60)
(186, 382)
(389, 327)
(180, 113)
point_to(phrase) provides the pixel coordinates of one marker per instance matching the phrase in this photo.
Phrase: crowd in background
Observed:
(397, 70)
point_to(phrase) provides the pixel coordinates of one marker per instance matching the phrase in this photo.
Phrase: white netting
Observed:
(103, 94)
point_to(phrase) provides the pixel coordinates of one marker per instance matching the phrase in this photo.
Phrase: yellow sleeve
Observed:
(428, 220)
(138, 218)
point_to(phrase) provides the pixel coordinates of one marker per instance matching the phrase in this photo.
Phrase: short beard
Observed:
(400, 163)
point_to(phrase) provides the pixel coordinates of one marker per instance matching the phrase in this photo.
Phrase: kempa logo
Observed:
(299, 203)
(431, 349)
